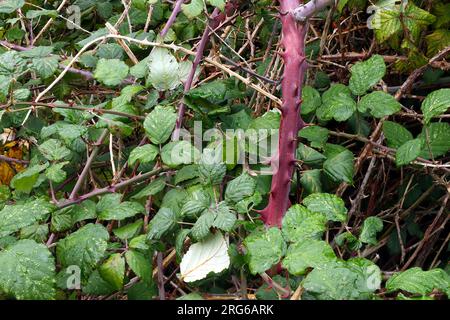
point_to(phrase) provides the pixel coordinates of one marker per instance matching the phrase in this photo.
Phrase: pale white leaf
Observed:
(209, 255)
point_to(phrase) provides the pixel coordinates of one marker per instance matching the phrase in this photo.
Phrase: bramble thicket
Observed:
(224, 149)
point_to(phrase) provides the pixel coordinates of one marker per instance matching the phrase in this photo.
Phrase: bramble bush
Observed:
(224, 149)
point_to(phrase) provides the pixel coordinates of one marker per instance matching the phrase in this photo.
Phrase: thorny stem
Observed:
(14, 160)
(285, 292)
(86, 74)
(173, 16)
(74, 107)
(293, 42)
(109, 189)
(88, 164)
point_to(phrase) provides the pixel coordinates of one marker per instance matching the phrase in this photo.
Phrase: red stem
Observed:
(293, 42)
(215, 20)
(173, 16)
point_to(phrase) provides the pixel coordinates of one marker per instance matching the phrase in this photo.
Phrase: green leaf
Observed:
(11, 63)
(240, 188)
(24, 181)
(269, 120)
(330, 205)
(61, 221)
(54, 150)
(84, 248)
(408, 152)
(45, 67)
(214, 91)
(186, 173)
(217, 3)
(139, 242)
(301, 224)
(309, 156)
(191, 296)
(83, 211)
(348, 239)
(15, 217)
(337, 104)
(211, 169)
(179, 241)
(97, 286)
(438, 40)
(311, 181)
(36, 232)
(140, 70)
(354, 279)
(113, 270)
(152, 189)
(32, 14)
(5, 193)
(142, 291)
(379, 104)
(174, 199)
(264, 249)
(27, 271)
(340, 167)
(176, 153)
(143, 154)
(307, 254)
(193, 9)
(68, 132)
(440, 10)
(110, 208)
(385, 21)
(22, 94)
(9, 6)
(331, 150)
(416, 19)
(203, 225)
(111, 72)
(371, 226)
(164, 221)
(245, 206)
(140, 264)
(366, 74)
(392, 19)
(163, 70)
(65, 219)
(37, 52)
(341, 5)
(198, 201)
(128, 231)
(55, 172)
(396, 135)
(435, 104)
(311, 100)
(110, 51)
(417, 281)
(160, 123)
(316, 135)
(436, 139)
(225, 218)
(126, 96)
